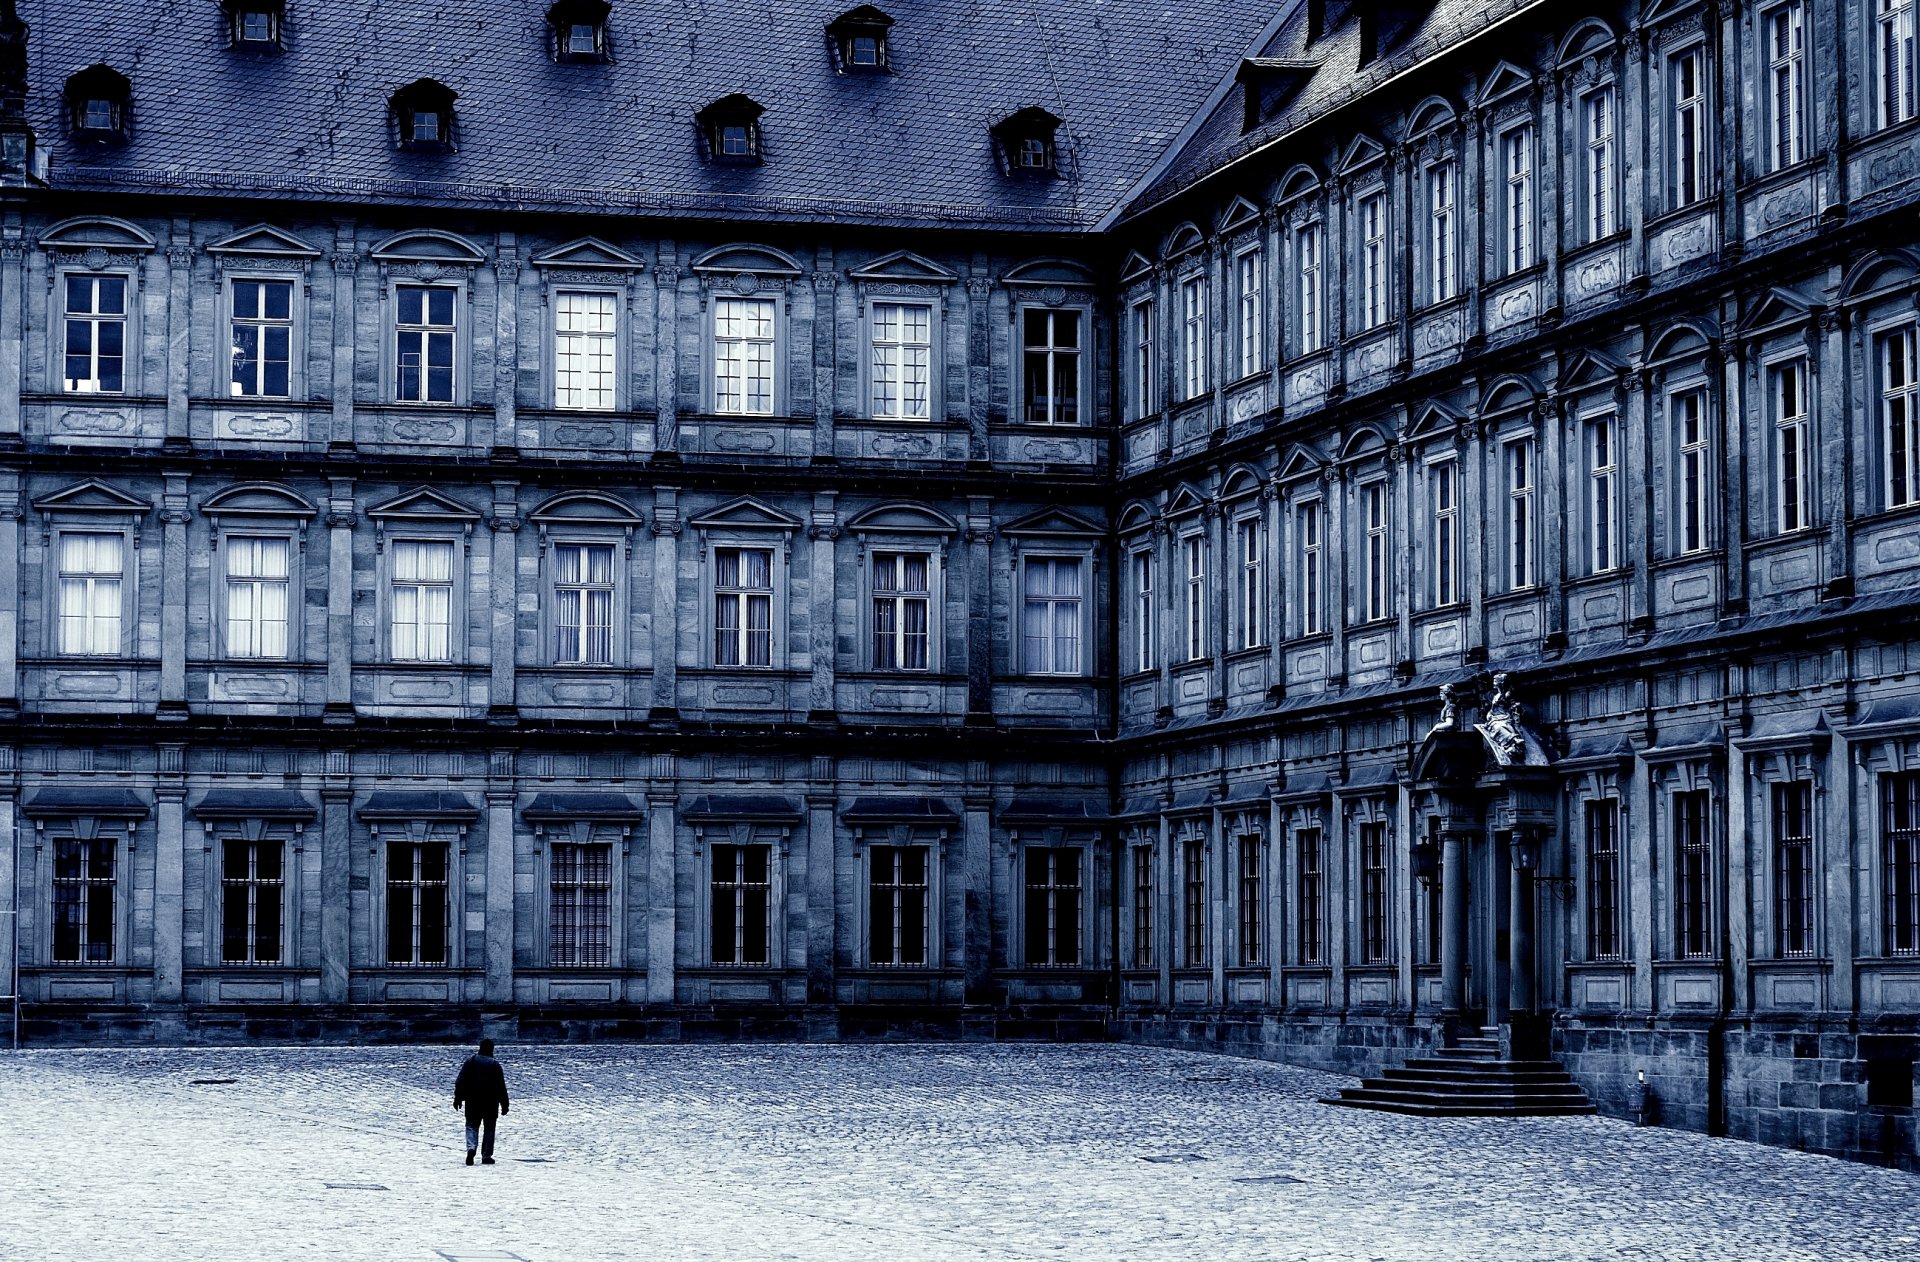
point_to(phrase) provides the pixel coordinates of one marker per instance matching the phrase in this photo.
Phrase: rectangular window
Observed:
(1194, 547)
(1695, 473)
(902, 361)
(1520, 568)
(742, 607)
(580, 925)
(1786, 36)
(423, 343)
(1145, 403)
(252, 886)
(902, 608)
(1193, 338)
(422, 600)
(1143, 610)
(1374, 909)
(1687, 93)
(92, 570)
(1051, 621)
(1517, 160)
(1900, 417)
(1603, 479)
(897, 894)
(1052, 349)
(1312, 325)
(1193, 903)
(1312, 893)
(1441, 230)
(743, 356)
(1377, 555)
(1793, 481)
(1250, 894)
(417, 902)
(1900, 844)
(262, 339)
(1603, 880)
(257, 579)
(1693, 876)
(1602, 217)
(742, 906)
(583, 604)
(1253, 345)
(1312, 597)
(84, 877)
(584, 329)
(1253, 583)
(1373, 260)
(96, 335)
(1443, 482)
(1793, 868)
(1053, 907)
(1894, 60)
(1142, 906)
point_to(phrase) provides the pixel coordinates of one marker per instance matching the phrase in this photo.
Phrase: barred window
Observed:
(1143, 906)
(1252, 928)
(742, 904)
(252, 895)
(1193, 918)
(1374, 910)
(1604, 937)
(580, 926)
(1793, 868)
(417, 902)
(1053, 906)
(1312, 894)
(1693, 876)
(84, 879)
(1900, 839)
(897, 905)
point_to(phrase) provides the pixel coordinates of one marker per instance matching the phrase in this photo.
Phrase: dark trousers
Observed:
(480, 1130)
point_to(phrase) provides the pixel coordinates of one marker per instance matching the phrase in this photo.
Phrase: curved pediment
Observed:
(1681, 339)
(1430, 115)
(264, 241)
(1885, 269)
(1300, 181)
(1364, 442)
(1242, 480)
(91, 496)
(257, 499)
(429, 245)
(1136, 516)
(423, 504)
(904, 266)
(904, 519)
(1508, 394)
(1589, 38)
(1049, 272)
(588, 254)
(746, 513)
(754, 260)
(97, 232)
(582, 507)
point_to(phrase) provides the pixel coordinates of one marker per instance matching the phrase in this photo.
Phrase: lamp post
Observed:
(1526, 861)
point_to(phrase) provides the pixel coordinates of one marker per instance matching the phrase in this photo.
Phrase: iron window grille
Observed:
(1053, 907)
(741, 923)
(581, 889)
(1900, 841)
(1374, 908)
(1143, 907)
(252, 894)
(1193, 907)
(1693, 875)
(1252, 926)
(417, 902)
(897, 920)
(85, 880)
(1312, 894)
(1604, 937)
(1793, 868)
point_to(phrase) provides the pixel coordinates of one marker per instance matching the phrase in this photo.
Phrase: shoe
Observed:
(469, 1156)
(486, 1161)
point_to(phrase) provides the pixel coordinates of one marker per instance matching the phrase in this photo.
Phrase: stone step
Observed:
(1488, 1082)
(1449, 1107)
(1482, 1065)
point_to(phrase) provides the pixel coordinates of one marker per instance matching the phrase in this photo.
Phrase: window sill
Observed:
(1900, 513)
(261, 401)
(875, 675)
(1024, 427)
(905, 422)
(436, 409)
(1314, 639)
(1249, 651)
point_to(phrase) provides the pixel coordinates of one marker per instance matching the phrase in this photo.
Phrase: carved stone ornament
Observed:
(746, 283)
(1503, 725)
(1449, 720)
(1053, 295)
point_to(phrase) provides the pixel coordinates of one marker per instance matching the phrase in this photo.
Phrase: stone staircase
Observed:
(1470, 1079)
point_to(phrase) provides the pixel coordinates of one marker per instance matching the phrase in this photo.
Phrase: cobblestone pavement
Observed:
(864, 1152)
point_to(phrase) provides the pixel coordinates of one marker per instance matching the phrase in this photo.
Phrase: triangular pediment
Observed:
(264, 240)
(756, 260)
(257, 499)
(585, 506)
(1136, 266)
(590, 254)
(746, 513)
(1239, 213)
(91, 496)
(1591, 368)
(1661, 10)
(1778, 306)
(904, 518)
(1365, 151)
(1505, 80)
(429, 246)
(1054, 521)
(1302, 462)
(1185, 500)
(1432, 419)
(96, 232)
(904, 265)
(424, 504)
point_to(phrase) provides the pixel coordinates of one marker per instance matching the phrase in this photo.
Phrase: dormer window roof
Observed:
(1025, 143)
(99, 103)
(423, 115)
(580, 30)
(730, 128)
(859, 38)
(255, 25)
(1270, 84)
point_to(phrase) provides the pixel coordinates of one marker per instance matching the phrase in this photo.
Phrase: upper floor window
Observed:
(1519, 470)
(584, 338)
(1517, 161)
(1193, 337)
(1372, 213)
(902, 610)
(92, 575)
(1051, 345)
(1312, 325)
(583, 604)
(1695, 472)
(262, 338)
(85, 879)
(1252, 535)
(1793, 870)
(1442, 485)
(258, 569)
(1786, 36)
(1605, 939)
(1312, 596)
(579, 30)
(1253, 352)
(902, 361)
(860, 40)
(732, 130)
(1899, 416)
(1376, 553)
(1054, 894)
(1602, 179)
(1893, 60)
(423, 111)
(1051, 615)
(743, 607)
(1194, 550)
(1792, 476)
(422, 600)
(1442, 276)
(1143, 400)
(1144, 610)
(1687, 101)
(255, 24)
(99, 103)
(424, 328)
(95, 327)
(1603, 494)
(743, 356)
(1900, 846)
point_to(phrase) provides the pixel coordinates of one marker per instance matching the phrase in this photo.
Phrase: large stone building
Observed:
(1297, 532)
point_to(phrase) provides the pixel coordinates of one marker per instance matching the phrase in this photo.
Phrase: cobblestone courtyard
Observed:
(905, 1151)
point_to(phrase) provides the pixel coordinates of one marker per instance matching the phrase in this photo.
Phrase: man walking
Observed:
(481, 1089)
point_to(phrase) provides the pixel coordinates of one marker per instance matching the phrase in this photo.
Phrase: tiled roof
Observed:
(312, 121)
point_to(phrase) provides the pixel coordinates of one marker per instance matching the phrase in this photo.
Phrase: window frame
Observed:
(777, 561)
(1373, 894)
(777, 355)
(1443, 531)
(1143, 349)
(1089, 575)
(1786, 114)
(1605, 918)
(1694, 528)
(1688, 127)
(557, 291)
(582, 837)
(1899, 866)
(1696, 874)
(1310, 557)
(1898, 469)
(1056, 841)
(1375, 597)
(1310, 896)
(1601, 489)
(936, 367)
(616, 587)
(1774, 371)
(462, 339)
(1251, 590)
(1310, 298)
(251, 884)
(118, 836)
(1901, 17)
(778, 838)
(1250, 898)
(457, 614)
(712, 885)
(1142, 860)
(241, 274)
(1196, 595)
(1520, 523)
(128, 580)
(1519, 203)
(1082, 353)
(1600, 171)
(1195, 335)
(454, 885)
(1250, 311)
(1146, 612)
(224, 534)
(1194, 849)
(130, 356)
(1443, 230)
(1795, 936)
(870, 551)
(1372, 259)
(888, 836)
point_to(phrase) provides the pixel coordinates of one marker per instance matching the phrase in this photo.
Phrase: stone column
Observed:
(822, 579)
(502, 600)
(336, 885)
(340, 523)
(13, 290)
(1520, 989)
(1453, 923)
(10, 513)
(174, 516)
(666, 349)
(506, 346)
(169, 874)
(500, 880)
(11, 930)
(816, 908)
(976, 874)
(666, 596)
(661, 895)
(179, 335)
(979, 541)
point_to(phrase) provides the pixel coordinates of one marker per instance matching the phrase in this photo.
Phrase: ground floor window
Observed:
(1312, 893)
(1193, 920)
(1603, 880)
(417, 902)
(1900, 833)
(1053, 906)
(1793, 868)
(1143, 907)
(1250, 896)
(84, 877)
(897, 897)
(742, 905)
(1693, 877)
(1374, 910)
(252, 889)
(580, 924)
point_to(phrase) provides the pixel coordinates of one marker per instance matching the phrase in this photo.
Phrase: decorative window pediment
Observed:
(1688, 339)
(1364, 443)
(1302, 462)
(97, 234)
(93, 496)
(1299, 182)
(731, 130)
(903, 266)
(746, 514)
(423, 504)
(903, 519)
(1049, 274)
(264, 246)
(1137, 517)
(1590, 38)
(588, 254)
(749, 260)
(1778, 307)
(1509, 394)
(585, 508)
(1434, 419)
(1136, 267)
(1362, 153)
(258, 499)
(429, 246)
(1432, 115)
(1590, 369)
(1026, 142)
(1505, 81)
(1183, 240)
(1880, 273)
(1241, 481)
(1186, 501)
(1056, 523)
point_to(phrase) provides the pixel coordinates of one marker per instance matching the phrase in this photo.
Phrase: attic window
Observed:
(860, 40)
(1026, 143)
(255, 24)
(731, 129)
(1270, 84)
(423, 113)
(99, 100)
(579, 30)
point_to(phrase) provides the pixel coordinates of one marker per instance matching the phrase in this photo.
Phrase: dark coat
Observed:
(481, 1086)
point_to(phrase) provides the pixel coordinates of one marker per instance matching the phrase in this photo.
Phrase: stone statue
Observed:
(1449, 720)
(1503, 726)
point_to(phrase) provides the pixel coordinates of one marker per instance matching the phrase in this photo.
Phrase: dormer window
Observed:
(859, 39)
(731, 129)
(579, 30)
(99, 100)
(255, 24)
(1025, 142)
(423, 114)
(1269, 85)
